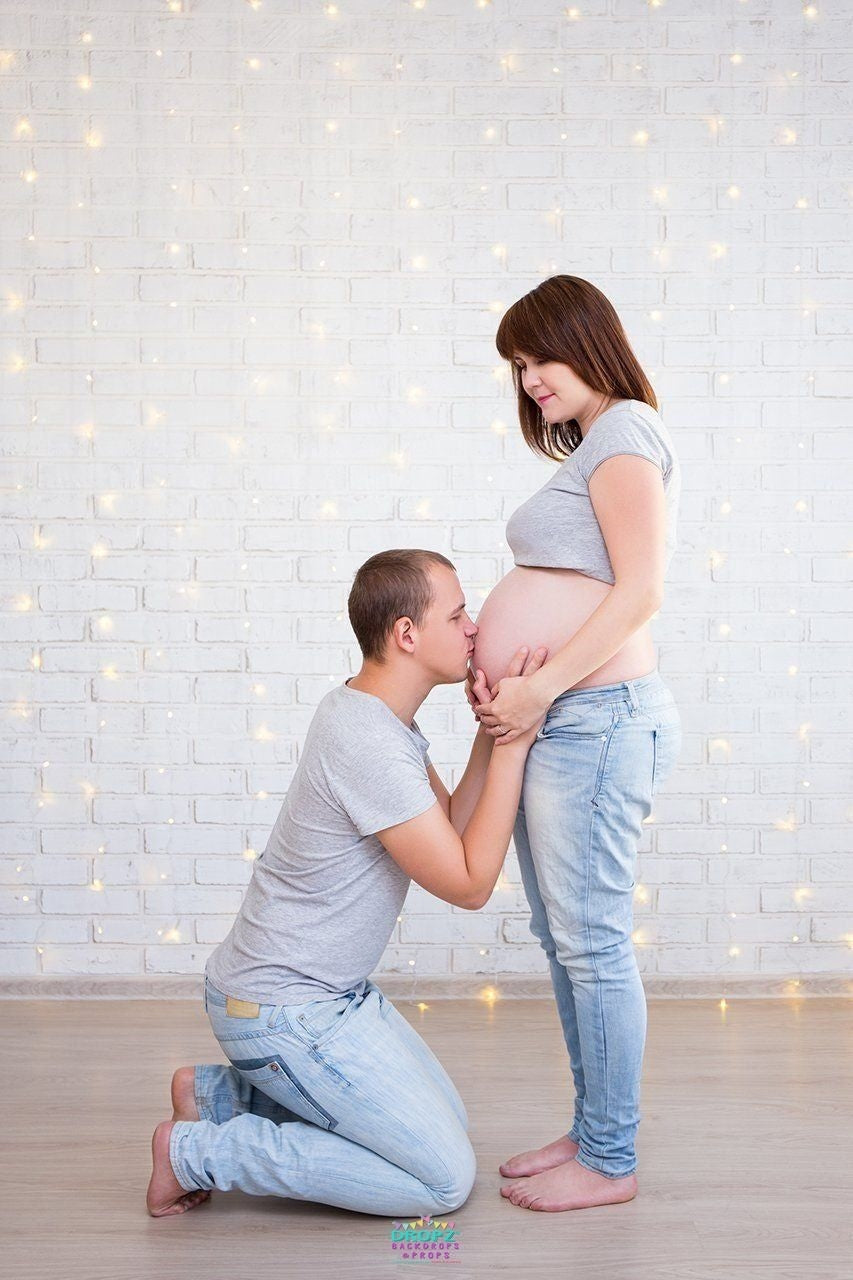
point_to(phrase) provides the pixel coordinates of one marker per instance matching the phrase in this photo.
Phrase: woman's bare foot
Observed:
(569, 1186)
(538, 1161)
(165, 1193)
(183, 1094)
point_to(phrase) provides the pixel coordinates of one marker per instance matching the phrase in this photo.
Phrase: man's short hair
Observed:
(390, 585)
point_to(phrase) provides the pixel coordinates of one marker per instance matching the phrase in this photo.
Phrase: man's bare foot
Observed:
(183, 1094)
(538, 1161)
(569, 1186)
(165, 1193)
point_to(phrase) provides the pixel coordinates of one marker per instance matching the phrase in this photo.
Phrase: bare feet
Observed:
(538, 1161)
(165, 1193)
(183, 1094)
(569, 1186)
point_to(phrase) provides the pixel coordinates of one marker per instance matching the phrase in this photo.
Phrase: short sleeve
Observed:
(384, 783)
(620, 433)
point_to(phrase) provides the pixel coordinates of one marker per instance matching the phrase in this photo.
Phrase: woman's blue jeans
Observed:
(338, 1101)
(589, 780)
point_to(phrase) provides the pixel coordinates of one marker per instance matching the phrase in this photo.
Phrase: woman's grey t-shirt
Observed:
(557, 527)
(325, 893)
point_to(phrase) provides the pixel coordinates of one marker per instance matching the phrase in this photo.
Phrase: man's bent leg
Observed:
(377, 1135)
(302, 1162)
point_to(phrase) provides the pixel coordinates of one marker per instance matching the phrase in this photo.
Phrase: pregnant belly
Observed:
(547, 606)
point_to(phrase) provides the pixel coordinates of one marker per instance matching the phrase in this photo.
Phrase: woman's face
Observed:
(559, 393)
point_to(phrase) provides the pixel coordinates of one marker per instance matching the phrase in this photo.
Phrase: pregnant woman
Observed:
(591, 549)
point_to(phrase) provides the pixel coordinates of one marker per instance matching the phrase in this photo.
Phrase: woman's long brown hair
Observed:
(567, 319)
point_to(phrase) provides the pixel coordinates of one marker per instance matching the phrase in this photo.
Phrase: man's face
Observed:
(447, 637)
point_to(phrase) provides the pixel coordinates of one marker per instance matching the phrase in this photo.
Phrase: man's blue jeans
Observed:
(589, 780)
(338, 1101)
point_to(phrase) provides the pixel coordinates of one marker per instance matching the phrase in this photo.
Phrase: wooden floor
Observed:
(745, 1149)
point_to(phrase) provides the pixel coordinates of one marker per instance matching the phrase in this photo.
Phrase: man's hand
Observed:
(476, 690)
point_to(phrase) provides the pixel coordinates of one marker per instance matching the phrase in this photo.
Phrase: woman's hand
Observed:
(515, 707)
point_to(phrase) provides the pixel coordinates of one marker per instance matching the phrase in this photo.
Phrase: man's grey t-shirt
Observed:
(325, 893)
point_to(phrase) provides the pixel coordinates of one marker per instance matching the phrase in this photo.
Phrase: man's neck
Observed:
(402, 700)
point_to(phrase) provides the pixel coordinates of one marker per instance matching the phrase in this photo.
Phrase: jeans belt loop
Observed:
(632, 696)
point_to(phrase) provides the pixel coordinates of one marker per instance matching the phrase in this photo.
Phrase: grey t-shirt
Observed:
(325, 893)
(557, 527)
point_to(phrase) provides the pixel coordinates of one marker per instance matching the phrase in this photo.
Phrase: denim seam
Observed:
(595, 967)
(602, 759)
(257, 1064)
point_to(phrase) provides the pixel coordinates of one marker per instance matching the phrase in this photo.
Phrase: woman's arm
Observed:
(628, 499)
(622, 612)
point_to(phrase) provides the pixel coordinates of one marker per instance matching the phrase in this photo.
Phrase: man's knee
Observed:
(462, 1167)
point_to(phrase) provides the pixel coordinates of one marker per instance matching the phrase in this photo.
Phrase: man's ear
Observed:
(403, 634)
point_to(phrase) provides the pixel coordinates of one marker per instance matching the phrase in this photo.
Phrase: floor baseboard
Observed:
(508, 986)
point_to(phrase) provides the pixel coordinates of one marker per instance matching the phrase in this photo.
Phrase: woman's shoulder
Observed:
(638, 416)
(635, 409)
(631, 426)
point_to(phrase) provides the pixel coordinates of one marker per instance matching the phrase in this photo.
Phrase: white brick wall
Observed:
(249, 340)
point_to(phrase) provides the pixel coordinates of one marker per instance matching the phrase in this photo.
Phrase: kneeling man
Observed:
(331, 1095)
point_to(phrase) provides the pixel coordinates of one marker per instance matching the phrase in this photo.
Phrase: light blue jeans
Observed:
(589, 780)
(338, 1101)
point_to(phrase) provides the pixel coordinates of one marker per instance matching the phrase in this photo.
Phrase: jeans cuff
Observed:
(179, 1129)
(212, 1102)
(624, 1173)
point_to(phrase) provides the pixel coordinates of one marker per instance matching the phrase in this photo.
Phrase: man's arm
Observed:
(470, 785)
(442, 795)
(462, 866)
